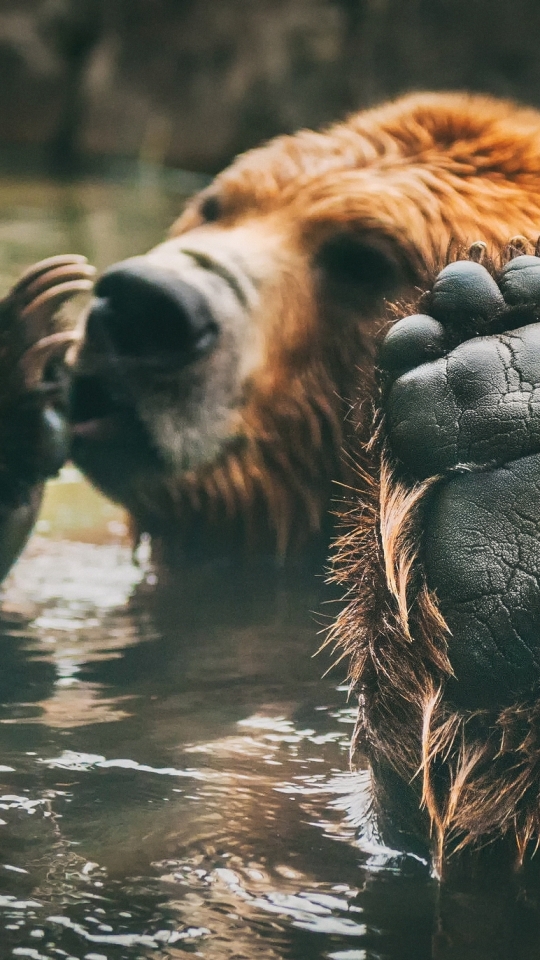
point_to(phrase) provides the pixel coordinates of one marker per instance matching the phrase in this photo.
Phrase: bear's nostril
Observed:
(145, 310)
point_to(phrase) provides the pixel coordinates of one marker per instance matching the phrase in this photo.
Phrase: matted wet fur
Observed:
(461, 777)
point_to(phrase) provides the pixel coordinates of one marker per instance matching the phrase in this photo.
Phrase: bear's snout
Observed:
(145, 311)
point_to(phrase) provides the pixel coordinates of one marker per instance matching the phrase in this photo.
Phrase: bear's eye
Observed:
(210, 209)
(355, 264)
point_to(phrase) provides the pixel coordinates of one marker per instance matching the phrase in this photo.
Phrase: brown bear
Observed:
(441, 559)
(211, 392)
(34, 436)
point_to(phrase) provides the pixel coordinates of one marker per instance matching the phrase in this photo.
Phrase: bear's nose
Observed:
(144, 310)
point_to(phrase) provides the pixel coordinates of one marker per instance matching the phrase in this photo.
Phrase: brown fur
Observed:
(474, 774)
(408, 178)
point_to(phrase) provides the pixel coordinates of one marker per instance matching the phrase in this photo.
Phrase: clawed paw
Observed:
(34, 438)
(469, 412)
(441, 560)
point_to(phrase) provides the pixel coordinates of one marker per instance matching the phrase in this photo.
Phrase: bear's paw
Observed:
(441, 558)
(470, 413)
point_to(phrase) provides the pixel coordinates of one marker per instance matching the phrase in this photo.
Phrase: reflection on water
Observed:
(173, 770)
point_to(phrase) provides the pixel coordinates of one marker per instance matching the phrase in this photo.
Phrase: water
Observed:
(173, 767)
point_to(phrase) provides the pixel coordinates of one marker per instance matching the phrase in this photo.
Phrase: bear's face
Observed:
(216, 370)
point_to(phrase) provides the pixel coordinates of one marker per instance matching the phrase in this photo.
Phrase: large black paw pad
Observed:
(471, 413)
(474, 405)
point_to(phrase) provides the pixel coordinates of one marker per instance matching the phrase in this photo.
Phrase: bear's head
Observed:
(211, 389)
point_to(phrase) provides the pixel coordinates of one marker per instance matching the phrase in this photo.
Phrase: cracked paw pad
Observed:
(474, 405)
(461, 398)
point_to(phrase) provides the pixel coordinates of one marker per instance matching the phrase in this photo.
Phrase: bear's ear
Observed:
(355, 268)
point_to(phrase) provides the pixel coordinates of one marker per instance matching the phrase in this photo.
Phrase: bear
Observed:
(440, 556)
(211, 391)
(34, 434)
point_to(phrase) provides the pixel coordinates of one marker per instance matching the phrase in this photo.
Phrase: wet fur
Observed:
(468, 777)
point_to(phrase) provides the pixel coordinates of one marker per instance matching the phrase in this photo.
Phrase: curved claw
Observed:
(34, 361)
(42, 290)
(40, 311)
(478, 251)
(518, 246)
(44, 266)
(31, 332)
(66, 273)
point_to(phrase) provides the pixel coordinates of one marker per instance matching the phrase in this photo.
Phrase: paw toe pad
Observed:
(475, 405)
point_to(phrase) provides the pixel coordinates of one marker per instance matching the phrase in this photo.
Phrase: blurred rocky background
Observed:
(192, 82)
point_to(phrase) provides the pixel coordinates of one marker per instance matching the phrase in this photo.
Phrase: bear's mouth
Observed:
(108, 440)
(93, 413)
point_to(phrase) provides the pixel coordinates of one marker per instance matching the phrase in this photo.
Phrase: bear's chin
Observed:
(135, 453)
